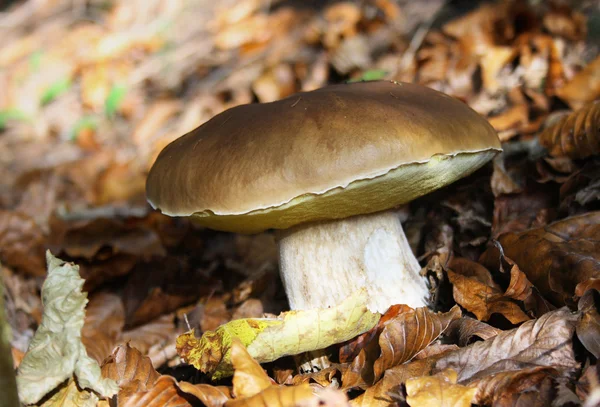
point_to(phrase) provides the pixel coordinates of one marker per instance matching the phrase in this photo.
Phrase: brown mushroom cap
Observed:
(331, 153)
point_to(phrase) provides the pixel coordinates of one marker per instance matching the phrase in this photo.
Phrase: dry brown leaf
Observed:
(580, 192)
(406, 335)
(584, 87)
(576, 135)
(87, 238)
(504, 387)
(464, 329)
(253, 388)
(104, 321)
(491, 64)
(324, 377)
(158, 331)
(127, 365)
(22, 243)
(502, 181)
(251, 308)
(387, 391)
(166, 392)
(534, 207)
(555, 258)
(475, 290)
(294, 396)
(211, 396)
(545, 342)
(588, 327)
(160, 286)
(349, 350)
(438, 390)
(249, 378)
(511, 119)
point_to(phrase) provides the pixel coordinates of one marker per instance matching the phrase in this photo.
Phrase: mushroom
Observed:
(326, 168)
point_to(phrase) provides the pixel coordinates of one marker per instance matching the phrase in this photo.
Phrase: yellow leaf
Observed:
(440, 390)
(270, 339)
(249, 378)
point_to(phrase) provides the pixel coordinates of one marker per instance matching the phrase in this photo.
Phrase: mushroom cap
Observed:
(331, 153)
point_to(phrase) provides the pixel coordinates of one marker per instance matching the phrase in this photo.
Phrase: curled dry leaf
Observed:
(438, 390)
(401, 339)
(408, 334)
(475, 290)
(576, 135)
(545, 342)
(166, 392)
(465, 328)
(268, 339)
(351, 348)
(127, 365)
(588, 327)
(56, 352)
(555, 258)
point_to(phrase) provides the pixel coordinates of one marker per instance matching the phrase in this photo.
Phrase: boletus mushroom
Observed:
(326, 168)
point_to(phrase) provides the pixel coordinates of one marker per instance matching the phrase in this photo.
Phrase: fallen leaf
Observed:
(104, 321)
(556, 257)
(158, 331)
(475, 290)
(166, 392)
(268, 339)
(56, 352)
(406, 335)
(127, 365)
(462, 330)
(249, 378)
(574, 135)
(504, 388)
(438, 390)
(402, 338)
(584, 87)
(387, 391)
(351, 349)
(69, 395)
(545, 342)
(252, 387)
(588, 327)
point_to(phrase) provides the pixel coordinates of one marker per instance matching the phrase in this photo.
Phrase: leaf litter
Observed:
(92, 93)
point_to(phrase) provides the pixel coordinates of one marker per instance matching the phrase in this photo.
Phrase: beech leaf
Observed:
(439, 390)
(545, 342)
(56, 351)
(408, 334)
(474, 289)
(268, 339)
(556, 257)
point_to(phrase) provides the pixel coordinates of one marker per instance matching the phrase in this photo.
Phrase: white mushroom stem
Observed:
(323, 263)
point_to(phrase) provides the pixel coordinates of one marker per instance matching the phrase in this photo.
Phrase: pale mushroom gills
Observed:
(327, 168)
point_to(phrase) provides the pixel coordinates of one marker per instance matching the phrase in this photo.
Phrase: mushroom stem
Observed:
(323, 263)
